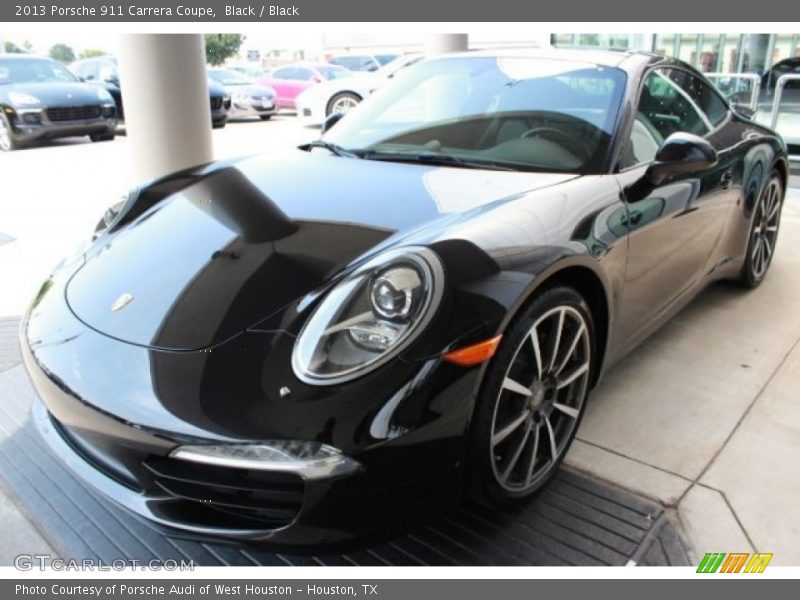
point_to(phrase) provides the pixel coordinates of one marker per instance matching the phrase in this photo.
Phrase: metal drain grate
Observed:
(574, 521)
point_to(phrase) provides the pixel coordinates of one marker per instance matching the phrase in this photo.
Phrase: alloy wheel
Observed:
(540, 400)
(765, 229)
(343, 104)
(5, 135)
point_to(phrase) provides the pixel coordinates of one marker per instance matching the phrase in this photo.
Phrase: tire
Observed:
(763, 234)
(219, 124)
(265, 117)
(524, 423)
(7, 141)
(102, 137)
(342, 102)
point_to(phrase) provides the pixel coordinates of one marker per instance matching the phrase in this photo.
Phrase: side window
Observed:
(348, 62)
(106, 71)
(283, 73)
(664, 108)
(88, 71)
(303, 74)
(706, 99)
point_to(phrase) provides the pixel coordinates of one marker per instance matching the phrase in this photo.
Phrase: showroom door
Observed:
(675, 227)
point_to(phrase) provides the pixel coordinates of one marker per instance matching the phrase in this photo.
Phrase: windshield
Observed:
(520, 113)
(226, 77)
(33, 70)
(333, 72)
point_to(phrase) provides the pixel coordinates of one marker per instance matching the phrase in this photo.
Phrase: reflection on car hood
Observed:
(57, 94)
(245, 240)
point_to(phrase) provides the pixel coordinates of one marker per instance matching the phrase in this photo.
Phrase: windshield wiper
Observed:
(330, 147)
(432, 158)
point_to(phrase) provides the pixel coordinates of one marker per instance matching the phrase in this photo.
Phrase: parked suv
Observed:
(40, 99)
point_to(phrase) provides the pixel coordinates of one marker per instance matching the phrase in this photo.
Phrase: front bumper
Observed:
(29, 125)
(253, 108)
(104, 411)
(311, 109)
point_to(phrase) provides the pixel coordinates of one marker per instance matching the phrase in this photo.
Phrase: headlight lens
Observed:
(22, 99)
(103, 95)
(241, 96)
(369, 317)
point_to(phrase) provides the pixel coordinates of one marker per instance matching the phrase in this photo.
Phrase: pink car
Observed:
(289, 80)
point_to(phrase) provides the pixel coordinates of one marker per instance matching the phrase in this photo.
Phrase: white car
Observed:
(340, 95)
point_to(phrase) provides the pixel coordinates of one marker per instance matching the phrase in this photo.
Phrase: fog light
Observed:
(310, 460)
(32, 118)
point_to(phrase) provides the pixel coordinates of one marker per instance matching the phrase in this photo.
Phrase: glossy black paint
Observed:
(227, 261)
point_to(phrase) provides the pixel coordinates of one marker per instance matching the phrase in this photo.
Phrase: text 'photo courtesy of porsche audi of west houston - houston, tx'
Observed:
(243, 350)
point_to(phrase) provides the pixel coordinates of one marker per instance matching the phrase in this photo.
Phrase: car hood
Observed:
(244, 240)
(58, 94)
(255, 90)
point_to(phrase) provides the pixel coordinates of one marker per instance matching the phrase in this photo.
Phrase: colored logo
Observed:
(734, 562)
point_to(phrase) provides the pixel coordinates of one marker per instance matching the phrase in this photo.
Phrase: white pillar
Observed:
(443, 43)
(165, 94)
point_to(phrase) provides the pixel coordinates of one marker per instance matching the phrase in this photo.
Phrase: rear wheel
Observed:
(533, 398)
(7, 142)
(763, 233)
(342, 103)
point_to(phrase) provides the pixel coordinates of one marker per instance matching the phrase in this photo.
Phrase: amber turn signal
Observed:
(474, 354)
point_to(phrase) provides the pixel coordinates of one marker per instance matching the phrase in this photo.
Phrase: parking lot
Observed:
(703, 417)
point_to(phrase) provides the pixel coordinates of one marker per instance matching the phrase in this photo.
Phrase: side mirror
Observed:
(679, 154)
(316, 79)
(331, 120)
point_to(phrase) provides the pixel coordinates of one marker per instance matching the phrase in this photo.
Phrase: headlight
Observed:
(241, 96)
(370, 316)
(22, 99)
(103, 95)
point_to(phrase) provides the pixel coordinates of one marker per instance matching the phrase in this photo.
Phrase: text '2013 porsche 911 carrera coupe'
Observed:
(246, 351)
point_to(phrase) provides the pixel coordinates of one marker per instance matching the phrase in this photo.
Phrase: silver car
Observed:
(248, 99)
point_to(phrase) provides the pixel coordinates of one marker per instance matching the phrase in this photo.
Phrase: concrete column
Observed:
(165, 94)
(443, 43)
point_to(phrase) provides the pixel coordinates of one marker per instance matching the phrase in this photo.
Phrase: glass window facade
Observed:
(708, 52)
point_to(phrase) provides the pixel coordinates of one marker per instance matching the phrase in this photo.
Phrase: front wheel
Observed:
(265, 117)
(763, 233)
(342, 103)
(533, 398)
(7, 141)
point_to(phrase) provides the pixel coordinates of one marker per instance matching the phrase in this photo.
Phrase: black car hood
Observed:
(58, 94)
(244, 240)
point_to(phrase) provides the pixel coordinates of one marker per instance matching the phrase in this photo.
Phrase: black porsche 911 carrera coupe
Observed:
(413, 308)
